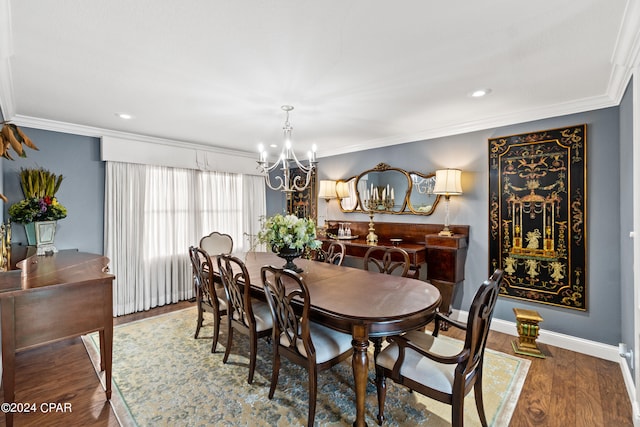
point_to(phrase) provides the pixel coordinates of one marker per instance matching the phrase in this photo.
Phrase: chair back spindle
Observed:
(479, 321)
(334, 254)
(387, 260)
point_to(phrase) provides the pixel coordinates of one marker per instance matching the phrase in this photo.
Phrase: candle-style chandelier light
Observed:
(287, 182)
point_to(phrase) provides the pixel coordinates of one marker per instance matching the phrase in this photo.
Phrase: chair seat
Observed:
(421, 369)
(327, 342)
(262, 314)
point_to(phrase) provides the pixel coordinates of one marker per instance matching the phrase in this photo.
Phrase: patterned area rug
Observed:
(162, 376)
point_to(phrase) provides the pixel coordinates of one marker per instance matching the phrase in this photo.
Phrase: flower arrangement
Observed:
(39, 187)
(37, 209)
(288, 231)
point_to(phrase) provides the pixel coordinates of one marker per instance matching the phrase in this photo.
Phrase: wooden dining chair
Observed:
(246, 315)
(387, 260)
(306, 343)
(209, 297)
(217, 243)
(439, 368)
(334, 254)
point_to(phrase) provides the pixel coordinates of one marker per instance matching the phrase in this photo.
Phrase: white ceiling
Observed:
(360, 73)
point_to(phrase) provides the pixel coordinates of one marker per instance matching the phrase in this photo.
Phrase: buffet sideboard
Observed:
(51, 298)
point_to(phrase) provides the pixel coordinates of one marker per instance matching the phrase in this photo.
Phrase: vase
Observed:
(41, 234)
(289, 255)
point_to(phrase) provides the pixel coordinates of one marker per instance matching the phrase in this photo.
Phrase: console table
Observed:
(51, 298)
(444, 256)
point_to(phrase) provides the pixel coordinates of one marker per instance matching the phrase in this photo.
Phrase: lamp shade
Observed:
(327, 189)
(342, 189)
(448, 182)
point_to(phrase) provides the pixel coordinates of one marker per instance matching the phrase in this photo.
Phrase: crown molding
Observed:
(7, 107)
(626, 52)
(587, 104)
(56, 126)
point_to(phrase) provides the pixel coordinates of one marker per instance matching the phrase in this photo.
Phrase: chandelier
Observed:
(287, 160)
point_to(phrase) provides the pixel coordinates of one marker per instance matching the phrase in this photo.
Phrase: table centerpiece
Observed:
(289, 236)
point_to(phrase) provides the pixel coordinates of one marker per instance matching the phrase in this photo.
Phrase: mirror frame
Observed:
(406, 208)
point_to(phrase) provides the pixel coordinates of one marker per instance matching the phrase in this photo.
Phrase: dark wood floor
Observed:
(565, 389)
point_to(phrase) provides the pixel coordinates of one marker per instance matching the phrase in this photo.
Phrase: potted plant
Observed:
(289, 236)
(39, 210)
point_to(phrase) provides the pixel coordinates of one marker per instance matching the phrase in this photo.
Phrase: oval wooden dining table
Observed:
(363, 303)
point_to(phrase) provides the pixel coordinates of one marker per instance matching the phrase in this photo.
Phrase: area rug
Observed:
(162, 376)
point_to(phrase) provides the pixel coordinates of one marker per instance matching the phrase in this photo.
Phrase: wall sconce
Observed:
(327, 191)
(447, 184)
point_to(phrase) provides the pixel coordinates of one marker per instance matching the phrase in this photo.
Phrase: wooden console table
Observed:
(52, 298)
(444, 256)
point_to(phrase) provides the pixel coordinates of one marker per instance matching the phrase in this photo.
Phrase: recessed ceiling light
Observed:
(273, 145)
(479, 93)
(124, 116)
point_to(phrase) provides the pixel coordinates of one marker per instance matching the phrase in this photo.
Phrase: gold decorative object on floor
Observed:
(527, 324)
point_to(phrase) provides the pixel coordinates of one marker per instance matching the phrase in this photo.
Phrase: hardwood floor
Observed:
(565, 389)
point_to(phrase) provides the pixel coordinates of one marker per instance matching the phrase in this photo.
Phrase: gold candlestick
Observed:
(372, 237)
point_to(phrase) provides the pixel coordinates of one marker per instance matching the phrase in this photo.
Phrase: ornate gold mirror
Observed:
(404, 192)
(421, 199)
(348, 203)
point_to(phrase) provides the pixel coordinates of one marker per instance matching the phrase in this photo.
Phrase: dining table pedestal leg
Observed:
(360, 365)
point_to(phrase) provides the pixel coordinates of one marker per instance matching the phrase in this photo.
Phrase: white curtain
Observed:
(153, 214)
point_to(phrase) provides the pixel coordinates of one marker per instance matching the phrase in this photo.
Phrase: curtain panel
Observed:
(154, 213)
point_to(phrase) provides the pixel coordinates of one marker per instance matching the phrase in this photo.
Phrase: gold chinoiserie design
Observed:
(527, 324)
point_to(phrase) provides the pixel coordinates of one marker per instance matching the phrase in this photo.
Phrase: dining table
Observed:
(362, 303)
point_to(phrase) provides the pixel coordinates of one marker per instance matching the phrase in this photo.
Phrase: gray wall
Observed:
(77, 158)
(601, 322)
(626, 220)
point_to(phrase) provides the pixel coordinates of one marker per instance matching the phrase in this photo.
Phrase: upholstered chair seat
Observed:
(438, 376)
(327, 342)
(261, 313)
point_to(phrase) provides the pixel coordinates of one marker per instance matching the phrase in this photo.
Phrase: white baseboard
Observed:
(591, 348)
(628, 382)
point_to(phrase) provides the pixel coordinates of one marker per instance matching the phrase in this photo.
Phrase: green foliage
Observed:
(39, 187)
(288, 231)
(39, 183)
(37, 209)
